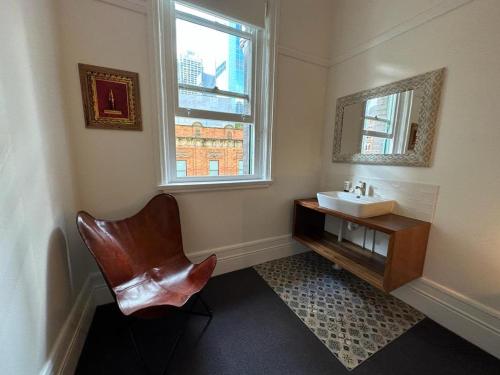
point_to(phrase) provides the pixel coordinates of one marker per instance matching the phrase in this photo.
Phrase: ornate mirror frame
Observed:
(431, 83)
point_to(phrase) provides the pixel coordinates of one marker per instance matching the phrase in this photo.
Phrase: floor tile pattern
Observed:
(353, 319)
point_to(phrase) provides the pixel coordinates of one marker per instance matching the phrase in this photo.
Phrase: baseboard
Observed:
(475, 322)
(229, 258)
(64, 355)
(247, 254)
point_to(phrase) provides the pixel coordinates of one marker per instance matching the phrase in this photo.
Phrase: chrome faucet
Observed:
(361, 186)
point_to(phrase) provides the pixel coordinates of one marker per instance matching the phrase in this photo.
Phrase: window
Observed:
(213, 168)
(181, 168)
(384, 122)
(219, 72)
(214, 66)
(240, 167)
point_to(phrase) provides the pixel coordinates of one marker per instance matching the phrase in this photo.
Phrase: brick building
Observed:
(209, 151)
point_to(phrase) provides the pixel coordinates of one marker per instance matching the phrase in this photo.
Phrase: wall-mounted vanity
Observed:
(392, 124)
(406, 248)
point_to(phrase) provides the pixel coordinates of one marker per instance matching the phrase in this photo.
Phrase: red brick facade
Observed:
(198, 145)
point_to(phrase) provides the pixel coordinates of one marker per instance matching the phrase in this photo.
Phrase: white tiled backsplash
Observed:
(414, 200)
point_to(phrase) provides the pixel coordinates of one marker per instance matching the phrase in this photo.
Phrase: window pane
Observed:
(213, 102)
(240, 168)
(214, 148)
(181, 168)
(381, 107)
(377, 126)
(213, 168)
(380, 112)
(210, 58)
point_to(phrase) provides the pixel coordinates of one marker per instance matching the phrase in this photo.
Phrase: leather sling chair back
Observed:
(143, 261)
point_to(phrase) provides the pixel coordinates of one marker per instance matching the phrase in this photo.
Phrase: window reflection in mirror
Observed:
(382, 125)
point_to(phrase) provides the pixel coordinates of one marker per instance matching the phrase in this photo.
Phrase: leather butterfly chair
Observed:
(143, 262)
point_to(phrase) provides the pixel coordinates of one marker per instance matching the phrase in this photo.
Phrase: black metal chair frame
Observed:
(188, 313)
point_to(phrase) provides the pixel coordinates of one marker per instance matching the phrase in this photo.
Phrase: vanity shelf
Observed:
(405, 254)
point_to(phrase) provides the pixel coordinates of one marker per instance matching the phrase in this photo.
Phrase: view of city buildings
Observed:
(209, 151)
(210, 147)
(230, 74)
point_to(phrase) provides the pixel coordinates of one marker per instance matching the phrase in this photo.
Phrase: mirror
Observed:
(382, 125)
(391, 125)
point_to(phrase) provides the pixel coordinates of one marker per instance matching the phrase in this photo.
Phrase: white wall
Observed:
(356, 22)
(117, 170)
(305, 26)
(463, 254)
(42, 267)
(44, 264)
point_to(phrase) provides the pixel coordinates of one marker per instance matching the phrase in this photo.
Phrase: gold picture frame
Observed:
(111, 98)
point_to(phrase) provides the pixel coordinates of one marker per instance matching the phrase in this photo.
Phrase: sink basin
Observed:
(349, 204)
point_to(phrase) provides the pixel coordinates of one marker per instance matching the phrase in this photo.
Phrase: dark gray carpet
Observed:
(254, 332)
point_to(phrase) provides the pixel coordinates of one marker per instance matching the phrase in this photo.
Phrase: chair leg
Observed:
(171, 353)
(147, 370)
(197, 297)
(190, 311)
(208, 314)
(206, 306)
(176, 344)
(136, 346)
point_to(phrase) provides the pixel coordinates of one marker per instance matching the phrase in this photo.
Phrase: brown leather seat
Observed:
(142, 258)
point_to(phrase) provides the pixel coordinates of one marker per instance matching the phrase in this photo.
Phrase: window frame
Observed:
(214, 115)
(264, 93)
(400, 114)
(252, 37)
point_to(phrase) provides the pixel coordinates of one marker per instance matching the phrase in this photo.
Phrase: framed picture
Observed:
(110, 98)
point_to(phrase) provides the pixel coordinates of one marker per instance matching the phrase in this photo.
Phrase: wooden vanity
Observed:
(405, 253)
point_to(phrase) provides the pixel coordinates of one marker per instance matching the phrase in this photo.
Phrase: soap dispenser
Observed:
(347, 186)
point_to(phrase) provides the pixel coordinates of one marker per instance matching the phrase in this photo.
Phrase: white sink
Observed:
(349, 204)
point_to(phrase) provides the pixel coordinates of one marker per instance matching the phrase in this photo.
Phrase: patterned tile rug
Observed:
(353, 319)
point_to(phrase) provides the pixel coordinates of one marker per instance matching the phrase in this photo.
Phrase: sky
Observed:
(210, 45)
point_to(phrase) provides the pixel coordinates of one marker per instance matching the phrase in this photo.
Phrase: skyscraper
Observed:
(190, 69)
(236, 63)
(190, 72)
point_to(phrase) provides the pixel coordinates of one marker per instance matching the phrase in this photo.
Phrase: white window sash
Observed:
(215, 90)
(214, 25)
(216, 115)
(375, 118)
(209, 115)
(222, 116)
(372, 133)
(263, 88)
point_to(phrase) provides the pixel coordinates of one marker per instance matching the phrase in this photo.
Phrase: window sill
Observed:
(191, 187)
